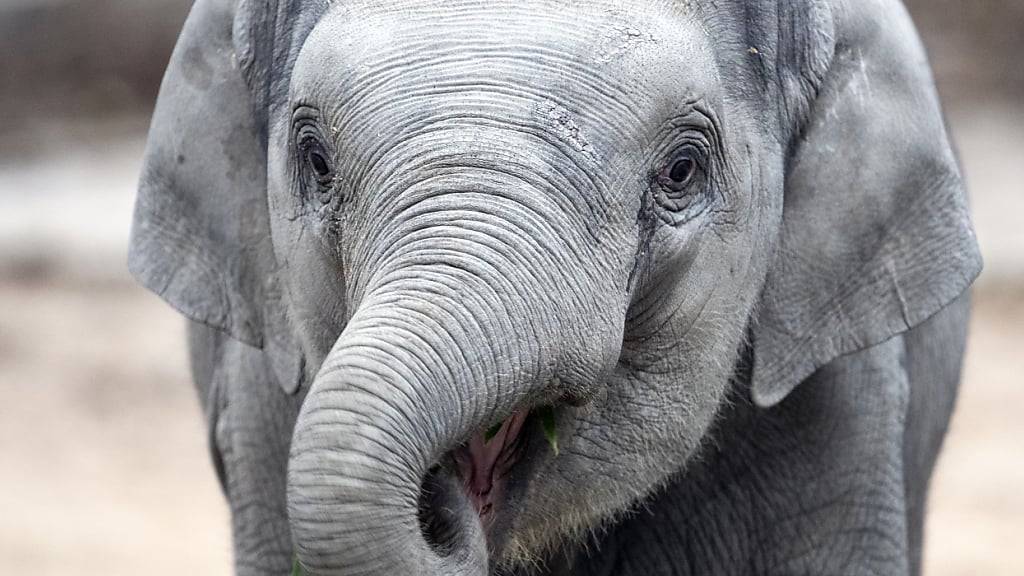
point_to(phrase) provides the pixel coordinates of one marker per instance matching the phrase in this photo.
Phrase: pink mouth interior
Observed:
(484, 463)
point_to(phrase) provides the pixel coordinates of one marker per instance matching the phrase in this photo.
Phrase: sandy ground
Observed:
(103, 465)
(977, 507)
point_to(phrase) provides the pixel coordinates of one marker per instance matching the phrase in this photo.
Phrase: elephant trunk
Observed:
(412, 377)
(376, 419)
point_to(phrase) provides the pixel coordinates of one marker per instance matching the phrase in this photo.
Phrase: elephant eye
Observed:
(679, 186)
(680, 172)
(317, 160)
(319, 164)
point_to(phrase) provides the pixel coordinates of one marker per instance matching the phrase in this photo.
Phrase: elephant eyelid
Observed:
(304, 112)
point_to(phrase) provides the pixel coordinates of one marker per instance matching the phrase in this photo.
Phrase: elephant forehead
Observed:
(599, 71)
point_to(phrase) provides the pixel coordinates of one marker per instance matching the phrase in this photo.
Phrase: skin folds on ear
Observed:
(201, 232)
(876, 233)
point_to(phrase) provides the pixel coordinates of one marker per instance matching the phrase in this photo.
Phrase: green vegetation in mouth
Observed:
(493, 431)
(546, 415)
(296, 567)
(547, 423)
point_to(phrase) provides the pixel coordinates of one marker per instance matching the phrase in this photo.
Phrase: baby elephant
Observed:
(534, 287)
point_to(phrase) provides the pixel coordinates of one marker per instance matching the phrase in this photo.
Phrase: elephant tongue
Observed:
(484, 461)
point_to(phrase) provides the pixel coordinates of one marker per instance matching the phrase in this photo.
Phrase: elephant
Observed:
(539, 287)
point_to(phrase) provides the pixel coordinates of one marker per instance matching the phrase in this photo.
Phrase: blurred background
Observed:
(103, 463)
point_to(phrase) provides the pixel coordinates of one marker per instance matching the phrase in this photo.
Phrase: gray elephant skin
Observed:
(533, 287)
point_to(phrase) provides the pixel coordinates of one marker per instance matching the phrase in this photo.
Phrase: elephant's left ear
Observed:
(876, 233)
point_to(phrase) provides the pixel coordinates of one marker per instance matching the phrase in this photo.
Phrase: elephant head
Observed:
(446, 222)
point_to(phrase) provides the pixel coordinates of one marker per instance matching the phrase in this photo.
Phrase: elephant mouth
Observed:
(484, 463)
(480, 469)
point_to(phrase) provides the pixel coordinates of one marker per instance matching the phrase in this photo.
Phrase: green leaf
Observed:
(493, 431)
(547, 423)
(297, 568)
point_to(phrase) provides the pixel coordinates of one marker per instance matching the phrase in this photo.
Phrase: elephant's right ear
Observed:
(201, 230)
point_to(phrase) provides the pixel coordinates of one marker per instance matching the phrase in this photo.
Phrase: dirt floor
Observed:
(105, 469)
(976, 525)
(104, 465)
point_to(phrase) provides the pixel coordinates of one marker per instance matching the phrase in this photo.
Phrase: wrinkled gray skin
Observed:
(728, 241)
